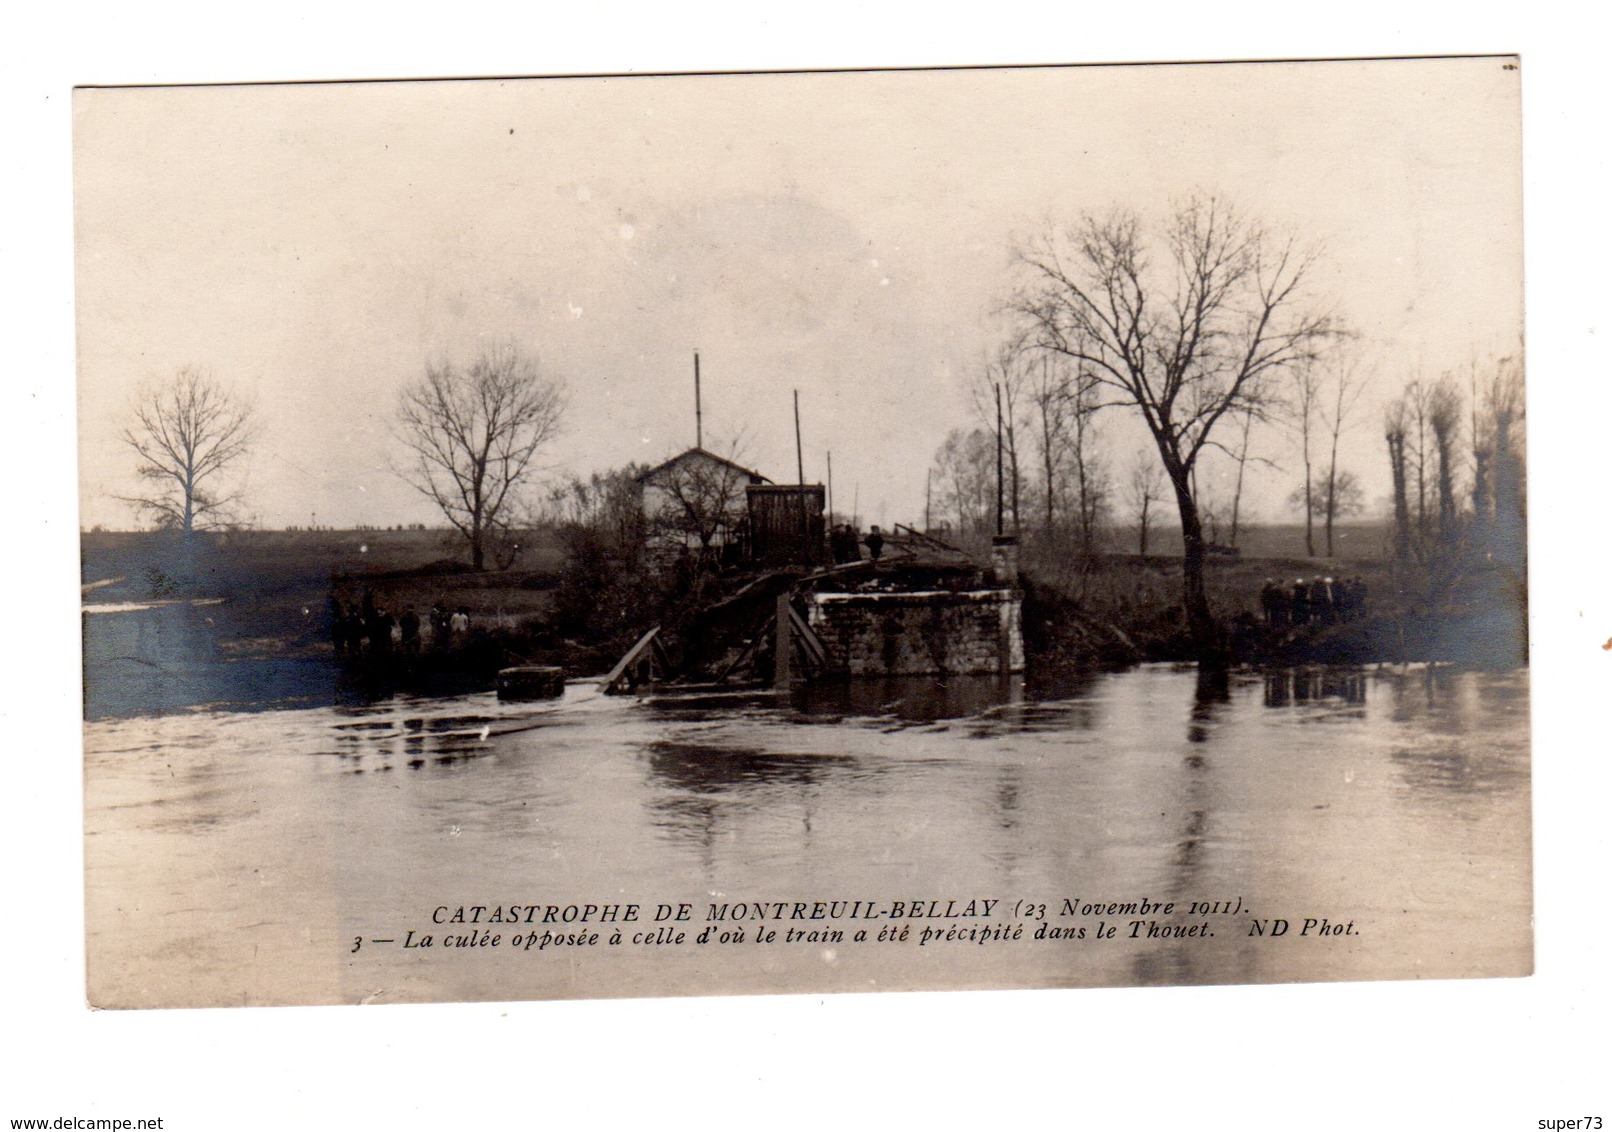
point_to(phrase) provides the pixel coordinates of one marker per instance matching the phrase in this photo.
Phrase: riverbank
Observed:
(265, 631)
(1112, 610)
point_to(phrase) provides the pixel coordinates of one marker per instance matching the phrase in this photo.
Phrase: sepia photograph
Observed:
(689, 797)
(735, 534)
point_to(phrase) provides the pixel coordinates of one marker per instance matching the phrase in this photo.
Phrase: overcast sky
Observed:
(848, 235)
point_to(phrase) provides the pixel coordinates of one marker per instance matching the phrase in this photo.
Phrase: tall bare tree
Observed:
(1063, 402)
(1497, 440)
(1050, 403)
(1444, 418)
(187, 434)
(1337, 408)
(1186, 326)
(1396, 431)
(1418, 400)
(1010, 381)
(1093, 488)
(1145, 487)
(1304, 399)
(473, 433)
(1240, 455)
(965, 473)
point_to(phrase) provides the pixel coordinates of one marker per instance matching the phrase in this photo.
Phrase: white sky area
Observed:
(846, 234)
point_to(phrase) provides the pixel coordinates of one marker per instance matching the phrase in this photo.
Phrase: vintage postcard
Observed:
(805, 532)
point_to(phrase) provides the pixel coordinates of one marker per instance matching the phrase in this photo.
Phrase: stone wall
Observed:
(917, 634)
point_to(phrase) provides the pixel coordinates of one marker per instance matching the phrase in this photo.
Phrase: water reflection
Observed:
(704, 792)
(1213, 688)
(906, 699)
(1285, 687)
(1160, 782)
(1008, 784)
(710, 770)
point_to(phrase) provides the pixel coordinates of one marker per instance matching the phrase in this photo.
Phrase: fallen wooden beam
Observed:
(810, 643)
(631, 657)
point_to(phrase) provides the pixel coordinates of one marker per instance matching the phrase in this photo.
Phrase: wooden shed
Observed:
(786, 524)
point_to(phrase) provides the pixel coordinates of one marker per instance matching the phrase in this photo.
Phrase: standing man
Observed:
(875, 543)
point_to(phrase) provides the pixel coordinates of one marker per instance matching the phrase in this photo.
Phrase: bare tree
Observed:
(1444, 418)
(1336, 409)
(1074, 481)
(1497, 439)
(1184, 339)
(187, 434)
(1418, 407)
(1145, 487)
(1339, 495)
(607, 508)
(965, 472)
(473, 433)
(1093, 487)
(1396, 428)
(1049, 399)
(1012, 380)
(1241, 455)
(1305, 396)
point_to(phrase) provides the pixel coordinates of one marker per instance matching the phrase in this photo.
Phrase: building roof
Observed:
(700, 453)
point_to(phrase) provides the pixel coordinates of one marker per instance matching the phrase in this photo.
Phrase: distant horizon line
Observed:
(422, 528)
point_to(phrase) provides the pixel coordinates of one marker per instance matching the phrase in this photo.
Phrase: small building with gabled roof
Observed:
(696, 502)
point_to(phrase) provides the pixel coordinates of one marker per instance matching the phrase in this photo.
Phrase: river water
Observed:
(285, 856)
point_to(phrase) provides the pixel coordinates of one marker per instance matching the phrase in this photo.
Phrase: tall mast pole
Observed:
(699, 424)
(800, 486)
(800, 462)
(829, 456)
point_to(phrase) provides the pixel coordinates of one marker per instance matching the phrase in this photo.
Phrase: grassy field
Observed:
(1351, 542)
(276, 583)
(275, 587)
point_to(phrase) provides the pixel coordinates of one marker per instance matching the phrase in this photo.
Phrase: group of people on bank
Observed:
(1318, 601)
(367, 628)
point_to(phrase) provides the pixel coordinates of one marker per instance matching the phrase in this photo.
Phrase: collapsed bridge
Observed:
(922, 608)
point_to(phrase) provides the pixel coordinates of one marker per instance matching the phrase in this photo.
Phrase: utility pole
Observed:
(807, 550)
(800, 463)
(829, 456)
(699, 426)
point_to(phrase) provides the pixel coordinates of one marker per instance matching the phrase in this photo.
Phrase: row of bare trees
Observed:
(1204, 328)
(1455, 448)
(469, 435)
(1323, 397)
(1057, 485)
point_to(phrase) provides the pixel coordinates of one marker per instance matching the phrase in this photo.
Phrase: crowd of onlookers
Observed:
(367, 628)
(1320, 601)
